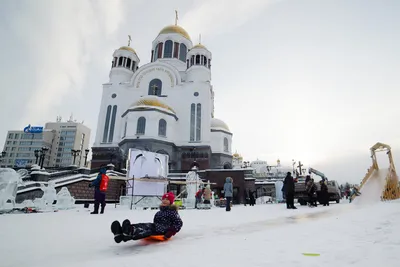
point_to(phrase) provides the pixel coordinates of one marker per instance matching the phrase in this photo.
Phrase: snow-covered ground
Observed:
(263, 235)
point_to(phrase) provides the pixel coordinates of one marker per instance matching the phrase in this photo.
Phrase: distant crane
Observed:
(316, 172)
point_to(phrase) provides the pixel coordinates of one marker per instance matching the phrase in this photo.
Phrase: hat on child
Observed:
(170, 196)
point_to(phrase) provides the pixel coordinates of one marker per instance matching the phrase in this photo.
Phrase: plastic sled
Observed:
(156, 238)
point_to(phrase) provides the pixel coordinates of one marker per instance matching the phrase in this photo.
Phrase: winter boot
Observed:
(127, 230)
(96, 209)
(116, 229)
(102, 209)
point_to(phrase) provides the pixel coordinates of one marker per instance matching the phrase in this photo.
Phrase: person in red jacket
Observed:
(100, 187)
(166, 222)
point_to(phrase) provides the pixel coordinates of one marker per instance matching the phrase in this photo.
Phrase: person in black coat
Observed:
(288, 184)
(324, 193)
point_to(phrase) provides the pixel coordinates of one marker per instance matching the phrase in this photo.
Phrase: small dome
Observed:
(151, 102)
(199, 46)
(175, 29)
(217, 123)
(128, 48)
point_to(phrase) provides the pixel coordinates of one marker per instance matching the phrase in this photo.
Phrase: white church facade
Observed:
(164, 106)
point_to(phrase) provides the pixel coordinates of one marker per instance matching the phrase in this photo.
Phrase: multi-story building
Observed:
(70, 136)
(61, 138)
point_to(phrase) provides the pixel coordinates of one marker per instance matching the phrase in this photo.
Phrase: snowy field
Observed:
(263, 235)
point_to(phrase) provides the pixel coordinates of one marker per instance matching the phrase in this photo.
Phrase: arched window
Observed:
(112, 126)
(162, 127)
(128, 63)
(226, 145)
(198, 123)
(205, 61)
(120, 61)
(182, 52)
(176, 50)
(168, 49)
(155, 87)
(107, 124)
(160, 49)
(141, 126)
(192, 121)
(198, 60)
(191, 60)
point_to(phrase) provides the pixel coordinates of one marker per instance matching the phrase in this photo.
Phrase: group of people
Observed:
(311, 188)
(203, 195)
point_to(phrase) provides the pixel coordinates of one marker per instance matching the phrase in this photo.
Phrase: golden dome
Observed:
(236, 155)
(199, 46)
(217, 123)
(128, 48)
(175, 29)
(152, 102)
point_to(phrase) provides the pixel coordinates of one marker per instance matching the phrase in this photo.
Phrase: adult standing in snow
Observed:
(288, 184)
(100, 187)
(324, 195)
(228, 192)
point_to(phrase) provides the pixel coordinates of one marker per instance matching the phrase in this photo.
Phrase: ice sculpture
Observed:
(9, 181)
(193, 183)
(212, 199)
(49, 196)
(64, 199)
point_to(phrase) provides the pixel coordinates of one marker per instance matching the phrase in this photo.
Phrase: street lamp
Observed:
(43, 155)
(86, 155)
(37, 151)
(75, 152)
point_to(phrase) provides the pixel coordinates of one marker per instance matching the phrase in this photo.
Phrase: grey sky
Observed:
(311, 80)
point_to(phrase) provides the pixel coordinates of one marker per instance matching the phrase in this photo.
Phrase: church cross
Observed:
(154, 87)
(176, 17)
(129, 40)
(299, 166)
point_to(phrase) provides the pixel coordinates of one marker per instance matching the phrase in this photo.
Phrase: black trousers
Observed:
(228, 203)
(289, 200)
(143, 230)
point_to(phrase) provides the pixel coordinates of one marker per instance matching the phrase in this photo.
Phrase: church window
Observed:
(198, 123)
(191, 60)
(205, 61)
(168, 49)
(133, 65)
(209, 63)
(152, 56)
(196, 93)
(112, 126)
(162, 127)
(192, 121)
(160, 49)
(182, 52)
(106, 124)
(187, 63)
(115, 61)
(155, 87)
(128, 63)
(114, 95)
(141, 125)
(125, 127)
(120, 61)
(198, 60)
(176, 50)
(226, 145)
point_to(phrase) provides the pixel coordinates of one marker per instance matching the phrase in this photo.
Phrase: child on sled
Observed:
(166, 222)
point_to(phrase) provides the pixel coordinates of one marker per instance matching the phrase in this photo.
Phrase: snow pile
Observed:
(264, 235)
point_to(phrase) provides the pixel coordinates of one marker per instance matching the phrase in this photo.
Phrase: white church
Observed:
(164, 106)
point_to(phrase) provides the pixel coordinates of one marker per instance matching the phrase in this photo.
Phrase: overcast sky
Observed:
(310, 80)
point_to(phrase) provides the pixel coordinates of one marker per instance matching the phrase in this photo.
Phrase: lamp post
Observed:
(75, 152)
(43, 155)
(37, 151)
(86, 155)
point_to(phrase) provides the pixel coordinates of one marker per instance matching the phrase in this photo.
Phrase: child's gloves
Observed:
(169, 234)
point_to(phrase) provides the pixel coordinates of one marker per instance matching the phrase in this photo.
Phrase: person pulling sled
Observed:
(166, 222)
